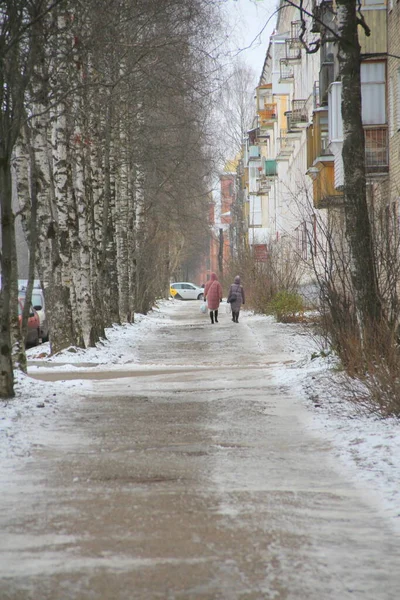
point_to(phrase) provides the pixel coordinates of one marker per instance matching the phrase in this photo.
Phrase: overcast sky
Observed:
(248, 18)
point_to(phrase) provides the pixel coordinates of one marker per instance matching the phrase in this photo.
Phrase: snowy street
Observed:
(185, 464)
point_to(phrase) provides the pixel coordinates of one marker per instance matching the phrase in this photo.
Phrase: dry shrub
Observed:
(375, 383)
(371, 361)
(281, 272)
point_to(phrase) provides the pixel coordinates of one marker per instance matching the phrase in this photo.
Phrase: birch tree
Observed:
(18, 52)
(116, 106)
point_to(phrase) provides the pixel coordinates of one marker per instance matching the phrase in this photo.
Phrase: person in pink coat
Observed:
(213, 296)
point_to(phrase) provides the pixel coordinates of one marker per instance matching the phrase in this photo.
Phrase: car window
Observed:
(37, 299)
(191, 287)
(177, 286)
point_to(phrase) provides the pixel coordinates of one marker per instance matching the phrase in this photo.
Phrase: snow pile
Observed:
(367, 445)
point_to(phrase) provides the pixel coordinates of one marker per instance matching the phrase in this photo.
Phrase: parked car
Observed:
(38, 304)
(33, 333)
(183, 290)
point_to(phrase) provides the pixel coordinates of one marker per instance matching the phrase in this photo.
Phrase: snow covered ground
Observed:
(366, 445)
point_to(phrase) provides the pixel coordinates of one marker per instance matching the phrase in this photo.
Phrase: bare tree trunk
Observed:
(7, 225)
(358, 226)
(23, 171)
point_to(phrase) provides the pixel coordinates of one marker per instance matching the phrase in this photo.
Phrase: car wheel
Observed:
(200, 297)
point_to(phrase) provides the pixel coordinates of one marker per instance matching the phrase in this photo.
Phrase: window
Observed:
(373, 93)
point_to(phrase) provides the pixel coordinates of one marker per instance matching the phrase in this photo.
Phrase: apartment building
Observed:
(293, 153)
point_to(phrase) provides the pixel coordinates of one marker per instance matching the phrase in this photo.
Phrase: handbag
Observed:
(203, 308)
(232, 297)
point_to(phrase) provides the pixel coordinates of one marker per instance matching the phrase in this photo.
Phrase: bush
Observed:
(286, 306)
(262, 280)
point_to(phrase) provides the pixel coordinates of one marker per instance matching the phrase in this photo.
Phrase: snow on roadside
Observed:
(23, 419)
(365, 444)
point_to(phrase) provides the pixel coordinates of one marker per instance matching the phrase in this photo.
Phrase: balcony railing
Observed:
(299, 112)
(270, 109)
(295, 31)
(254, 152)
(376, 149)
(270, 168)
(267, 117)
(284, 144)
(286, 70)
(292, 49)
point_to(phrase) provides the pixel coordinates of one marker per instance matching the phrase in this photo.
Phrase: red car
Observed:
(33, 334)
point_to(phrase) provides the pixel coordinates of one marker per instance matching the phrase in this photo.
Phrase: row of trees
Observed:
(104, 129)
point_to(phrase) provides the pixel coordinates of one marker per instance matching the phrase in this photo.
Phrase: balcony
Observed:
(292, 50)
(326, 77)
(323, 14)
(299, 112)
(267, 115)
(254, 152)
(268, 111)
(284, 146)
(318, 137)
(376, 149)
(295, 32)
(294, 130)
(325, 195)
(270, 168)
(286, 71)
(263, 187)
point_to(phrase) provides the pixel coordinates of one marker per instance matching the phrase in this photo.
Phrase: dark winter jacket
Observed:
(237, 289)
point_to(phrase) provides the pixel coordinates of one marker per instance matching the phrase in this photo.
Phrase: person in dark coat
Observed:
(236, 290)
(213, 296)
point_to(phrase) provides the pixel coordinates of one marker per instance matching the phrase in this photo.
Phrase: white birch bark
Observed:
(21, 180)
(82, 275)
(122, 215)
(49, 131)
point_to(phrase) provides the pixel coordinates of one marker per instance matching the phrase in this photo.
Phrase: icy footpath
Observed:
(365, 444)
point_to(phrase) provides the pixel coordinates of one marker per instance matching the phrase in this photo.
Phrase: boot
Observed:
(233, 316)
(212, 317)
(216, 316)
(237, 317)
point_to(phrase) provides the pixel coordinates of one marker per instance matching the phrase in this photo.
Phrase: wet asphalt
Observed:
(192, 475)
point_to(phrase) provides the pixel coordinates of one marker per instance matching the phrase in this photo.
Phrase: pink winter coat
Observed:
(213, 292)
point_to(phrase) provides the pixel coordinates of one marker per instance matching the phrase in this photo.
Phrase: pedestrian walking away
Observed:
(236, 292)
(213, 296)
